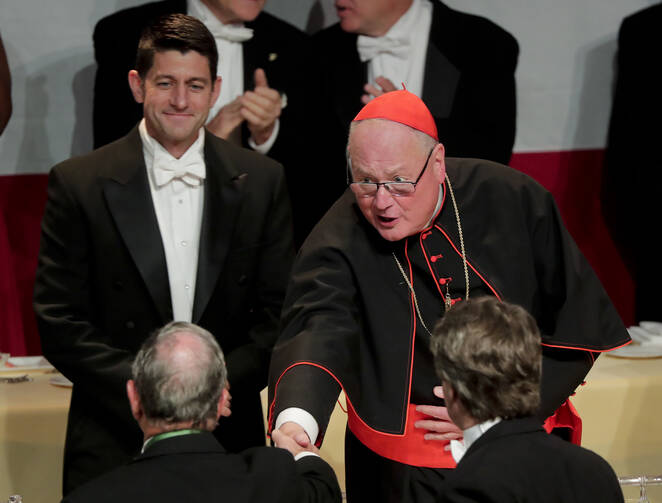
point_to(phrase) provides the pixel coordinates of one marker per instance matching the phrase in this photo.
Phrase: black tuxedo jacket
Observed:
(102, 287)
(516, 460)
(277, 47)
(469, 86)
(196, 468)
(633, 161)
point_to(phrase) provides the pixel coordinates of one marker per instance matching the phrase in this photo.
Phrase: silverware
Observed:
(15, 379)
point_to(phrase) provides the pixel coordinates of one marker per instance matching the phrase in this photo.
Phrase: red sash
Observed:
(566, 416)
(410, 448)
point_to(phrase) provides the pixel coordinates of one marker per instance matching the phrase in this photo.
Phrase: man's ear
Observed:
(134, 400)
(137, 86)
(439, 163)
(223, 401)
(216, 92)
(449, 392)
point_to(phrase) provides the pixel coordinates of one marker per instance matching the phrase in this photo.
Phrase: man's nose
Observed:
(383, 198)
(179, 97)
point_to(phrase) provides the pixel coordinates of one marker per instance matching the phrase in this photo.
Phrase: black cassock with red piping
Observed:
(350, 318)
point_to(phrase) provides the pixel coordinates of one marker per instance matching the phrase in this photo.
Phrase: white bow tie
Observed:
(369, 47)
(191, 171)
(230, 32)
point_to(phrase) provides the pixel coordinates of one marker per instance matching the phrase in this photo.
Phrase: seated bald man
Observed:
(488, 356)
(177, 394)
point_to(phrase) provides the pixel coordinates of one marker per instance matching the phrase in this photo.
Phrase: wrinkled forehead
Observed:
(385, 140)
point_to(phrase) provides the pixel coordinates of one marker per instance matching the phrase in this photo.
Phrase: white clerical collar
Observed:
(154, 152)
(440, 199)
(235, 32)
(471, 434)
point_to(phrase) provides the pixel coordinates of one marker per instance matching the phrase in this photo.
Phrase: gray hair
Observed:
(490, 353)
(176, 384)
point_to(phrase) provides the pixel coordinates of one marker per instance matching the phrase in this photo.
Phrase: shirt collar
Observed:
(440, 199)
(235, 32)
(471, 434)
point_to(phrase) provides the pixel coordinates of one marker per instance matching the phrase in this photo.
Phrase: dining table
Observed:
(33, 420)
(620, 405)
(621, 409)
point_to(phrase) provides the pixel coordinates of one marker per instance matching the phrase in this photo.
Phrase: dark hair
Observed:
(177, 32)
(490, 353)
(176, 383)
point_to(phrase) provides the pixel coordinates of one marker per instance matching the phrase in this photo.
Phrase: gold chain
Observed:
(447, 300)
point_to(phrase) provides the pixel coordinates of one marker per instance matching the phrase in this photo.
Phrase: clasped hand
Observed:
(293, 437)
(372, 91)
(259, 108)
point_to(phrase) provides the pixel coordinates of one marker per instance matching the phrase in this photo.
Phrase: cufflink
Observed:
(283, 100)
(273, 56)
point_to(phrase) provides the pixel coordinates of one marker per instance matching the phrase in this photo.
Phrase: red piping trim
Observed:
(585, 349)
(273, 402)
(412, 317)
(470, 265)
(321, 367)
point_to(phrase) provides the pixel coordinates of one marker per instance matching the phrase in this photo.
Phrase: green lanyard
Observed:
(168, 434)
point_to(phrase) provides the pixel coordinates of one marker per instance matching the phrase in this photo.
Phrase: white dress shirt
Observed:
(178, 206)
(401, 58)
(230, 62)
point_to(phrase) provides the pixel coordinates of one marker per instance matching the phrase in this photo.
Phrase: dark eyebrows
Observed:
(201, 80)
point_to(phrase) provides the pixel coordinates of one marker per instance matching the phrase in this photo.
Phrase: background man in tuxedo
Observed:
(177, 394)
(633, 161)
(488, 356)
(461, 65)
(169, 222)
(262, 61)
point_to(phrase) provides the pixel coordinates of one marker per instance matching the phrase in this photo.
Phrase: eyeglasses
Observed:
(397, 189)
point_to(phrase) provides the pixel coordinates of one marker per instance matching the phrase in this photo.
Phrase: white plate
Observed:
(26, 363)
(652, 327)
(61, 381)
(637, 351)
(640, 334)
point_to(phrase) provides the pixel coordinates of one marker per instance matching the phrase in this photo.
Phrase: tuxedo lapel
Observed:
(130, 204)
(348, 79)
(441, 76)
(252, 50)
(222, 199)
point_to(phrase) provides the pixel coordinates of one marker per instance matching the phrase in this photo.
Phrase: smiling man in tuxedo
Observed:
(167, 223)
(262, 103)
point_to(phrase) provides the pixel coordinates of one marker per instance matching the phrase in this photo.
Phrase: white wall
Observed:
(564, 76)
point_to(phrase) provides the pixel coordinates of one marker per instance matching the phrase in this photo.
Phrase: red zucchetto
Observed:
(403, 107)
